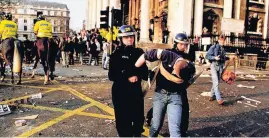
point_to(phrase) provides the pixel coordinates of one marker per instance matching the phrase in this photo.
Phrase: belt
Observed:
(163, 91)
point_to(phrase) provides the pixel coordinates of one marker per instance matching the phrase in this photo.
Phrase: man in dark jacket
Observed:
(127, 95)
(179, 48)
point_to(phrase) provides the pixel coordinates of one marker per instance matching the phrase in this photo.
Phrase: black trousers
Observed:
(129, 113)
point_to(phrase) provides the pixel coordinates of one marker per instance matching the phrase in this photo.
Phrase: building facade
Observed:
(25, 13)
(194, 17)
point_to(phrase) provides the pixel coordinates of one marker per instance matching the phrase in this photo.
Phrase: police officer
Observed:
(127, 96)
(43, 31)
(162, 84)
(180, 47)
(8, 34)
(8, 28)
(43, 28)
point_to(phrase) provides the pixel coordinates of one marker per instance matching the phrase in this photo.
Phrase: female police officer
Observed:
(127, 93)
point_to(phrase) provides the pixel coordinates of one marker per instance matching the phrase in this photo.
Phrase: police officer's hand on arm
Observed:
(133, 79)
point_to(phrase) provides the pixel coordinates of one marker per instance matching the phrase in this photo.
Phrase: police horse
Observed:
(45, 51)
(12, 55)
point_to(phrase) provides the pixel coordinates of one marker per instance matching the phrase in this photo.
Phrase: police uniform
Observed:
(127, 97)
(43, 29)
(8, 29)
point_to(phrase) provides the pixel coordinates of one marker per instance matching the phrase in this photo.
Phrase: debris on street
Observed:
(37, 96)
(77, 69)
(244, 86)
(31, 117)
(250, 104)
(244, 97)
(250, 76)
(207, 94)
(4, 110)
(19, 123)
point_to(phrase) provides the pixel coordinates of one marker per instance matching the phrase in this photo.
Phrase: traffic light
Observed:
(117, 17)
(104, 19)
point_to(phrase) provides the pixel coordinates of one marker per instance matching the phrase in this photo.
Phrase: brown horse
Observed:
(46, 51)
(7, 55)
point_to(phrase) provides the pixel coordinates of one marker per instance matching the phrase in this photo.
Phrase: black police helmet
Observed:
(180, 38)
(126, 30)
(8, 16)
(41, 17)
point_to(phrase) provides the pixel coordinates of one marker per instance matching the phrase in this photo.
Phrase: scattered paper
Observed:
(208, 94)
(20, 123)
(250, 104)
(244, 97)
(37, 96)
(244, 86)
(28, 117)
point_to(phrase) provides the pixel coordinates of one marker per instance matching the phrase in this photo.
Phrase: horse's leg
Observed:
(3, 68)
(12, 73)
(46, 77)
(35, 65)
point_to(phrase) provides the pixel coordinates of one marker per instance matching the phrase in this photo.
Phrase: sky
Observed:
(77, 12)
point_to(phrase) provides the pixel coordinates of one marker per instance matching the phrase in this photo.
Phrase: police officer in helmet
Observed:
(127, 95)
(180, 47)
(43, 31)
(8, 34)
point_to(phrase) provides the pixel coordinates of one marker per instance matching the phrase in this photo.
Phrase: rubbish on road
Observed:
(239, 102)
(208, 94)
(4, 110)
(244, 86)
(250, 104)
(77, 69)
(150, 98)
(27, 117)
(37, 96)
(20, 123)
(250, 76)
(53, 103)
(66, 101)
(109, 122)
(244, 97)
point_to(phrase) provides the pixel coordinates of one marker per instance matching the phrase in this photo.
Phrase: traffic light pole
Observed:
(111, 30)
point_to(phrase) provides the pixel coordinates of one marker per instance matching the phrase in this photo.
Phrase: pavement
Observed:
(87, 71)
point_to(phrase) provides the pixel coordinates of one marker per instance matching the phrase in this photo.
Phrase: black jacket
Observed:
(121, 67)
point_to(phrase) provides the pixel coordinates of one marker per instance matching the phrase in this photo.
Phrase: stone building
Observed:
(194, 17)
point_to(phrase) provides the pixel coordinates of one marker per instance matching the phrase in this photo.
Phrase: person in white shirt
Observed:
(105, 57)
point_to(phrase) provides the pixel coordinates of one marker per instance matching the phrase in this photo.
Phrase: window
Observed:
(25, 28)
(25, 36)
(55, 22)
(61, 29)
(55, 29)
(25, 21)
(16, 20)
(62, 13)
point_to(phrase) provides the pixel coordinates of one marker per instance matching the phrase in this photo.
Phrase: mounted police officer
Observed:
(127, 95)
(8, 34)
(43, 31)
(43, 28)
(176, 101)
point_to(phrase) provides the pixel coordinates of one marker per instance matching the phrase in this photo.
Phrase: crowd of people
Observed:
(77, 47)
